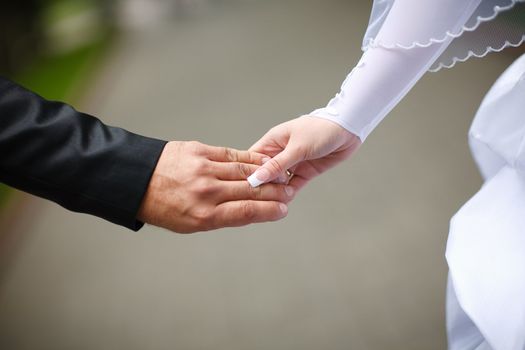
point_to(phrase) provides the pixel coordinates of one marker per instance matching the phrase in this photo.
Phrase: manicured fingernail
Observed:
(284, 208)
(259, 177)
(289, 191)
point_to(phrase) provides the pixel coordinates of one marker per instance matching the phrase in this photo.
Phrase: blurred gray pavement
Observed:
(358, 263)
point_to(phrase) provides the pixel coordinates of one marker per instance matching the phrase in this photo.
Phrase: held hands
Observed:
(196, 187)
(307, 146)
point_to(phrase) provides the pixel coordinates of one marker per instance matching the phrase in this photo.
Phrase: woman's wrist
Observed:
(341, 130)
(350, 130)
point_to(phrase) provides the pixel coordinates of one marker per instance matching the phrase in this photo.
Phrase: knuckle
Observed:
(195, 146)
(204, 188)
(257, 192)
(243, 170)
(203, 217)
(274, 130)
(276, 166)
(253, 158)
(249, 211)
(202, 166)
(230, 154)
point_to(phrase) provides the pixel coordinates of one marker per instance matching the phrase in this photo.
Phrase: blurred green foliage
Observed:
(62, 76)
(63, 9)
(29, 28)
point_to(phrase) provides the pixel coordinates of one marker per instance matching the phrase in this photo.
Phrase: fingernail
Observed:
(289, 191)
(284, 208)
(259, 177)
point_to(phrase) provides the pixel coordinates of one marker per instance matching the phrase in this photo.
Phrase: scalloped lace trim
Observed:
(471, 54)
(448, 35)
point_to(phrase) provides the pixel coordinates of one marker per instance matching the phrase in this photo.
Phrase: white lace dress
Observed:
(486, 247)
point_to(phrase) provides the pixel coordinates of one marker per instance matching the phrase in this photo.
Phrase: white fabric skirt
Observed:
(486, 245)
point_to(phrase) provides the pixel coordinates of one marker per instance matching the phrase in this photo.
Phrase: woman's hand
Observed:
(308, 146)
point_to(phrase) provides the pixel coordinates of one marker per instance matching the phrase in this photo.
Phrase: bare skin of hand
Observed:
(307, 145)
(196, 187)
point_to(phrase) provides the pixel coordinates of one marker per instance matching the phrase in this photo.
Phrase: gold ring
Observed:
(290, 175)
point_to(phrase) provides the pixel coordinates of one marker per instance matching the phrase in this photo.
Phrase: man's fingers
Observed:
(240, 171)
(276, 166)
(241, 190)
(240, 213)
(233, 170)
(226, 154)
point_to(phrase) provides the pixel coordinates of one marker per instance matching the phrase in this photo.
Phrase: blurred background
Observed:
(357, 264)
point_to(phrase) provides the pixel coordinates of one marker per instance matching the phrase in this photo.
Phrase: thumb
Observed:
(276, 166)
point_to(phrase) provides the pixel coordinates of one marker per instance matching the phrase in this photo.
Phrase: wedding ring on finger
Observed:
(290, 175)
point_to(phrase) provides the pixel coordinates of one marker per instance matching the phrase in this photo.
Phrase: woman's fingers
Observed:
(283, 178)
(276, 166)
(240, 213)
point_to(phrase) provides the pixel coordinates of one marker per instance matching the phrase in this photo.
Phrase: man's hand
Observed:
(196, 187)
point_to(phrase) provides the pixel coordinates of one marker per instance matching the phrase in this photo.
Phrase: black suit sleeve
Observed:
(50, 150)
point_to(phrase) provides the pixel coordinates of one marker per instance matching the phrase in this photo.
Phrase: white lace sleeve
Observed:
(405, 38)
